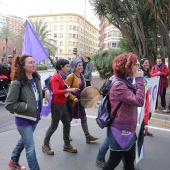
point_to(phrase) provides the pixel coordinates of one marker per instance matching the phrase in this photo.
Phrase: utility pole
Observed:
(84, 27)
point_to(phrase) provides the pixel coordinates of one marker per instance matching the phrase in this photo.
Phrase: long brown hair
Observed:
(18, 72)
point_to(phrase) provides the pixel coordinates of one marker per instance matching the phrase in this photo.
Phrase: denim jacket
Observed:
(126, 117)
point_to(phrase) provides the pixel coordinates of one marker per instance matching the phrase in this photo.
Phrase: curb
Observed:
(161, 120)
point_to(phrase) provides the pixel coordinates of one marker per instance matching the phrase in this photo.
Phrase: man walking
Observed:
(88, 71)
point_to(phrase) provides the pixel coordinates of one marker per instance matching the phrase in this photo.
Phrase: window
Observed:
(61, 19)
(112, 44)
(70, 43)
(70, 27)
(74, 27)
(43, 20)
(55, 35)
(61, 43)
(61, 27)
(61, 35)
(74, 35)
(70, 35)
(55, 19)
(74, 43)
(70, 51)
(70, 19)
(61, 51)
(55, 27)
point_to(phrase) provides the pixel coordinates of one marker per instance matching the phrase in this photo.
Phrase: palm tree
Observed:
(43, 33)
(6, 34)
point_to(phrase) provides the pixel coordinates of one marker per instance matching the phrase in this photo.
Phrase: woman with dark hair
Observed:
(125, 98)
(24, 99)
(76, 80)
(59, 109)
(144, 65)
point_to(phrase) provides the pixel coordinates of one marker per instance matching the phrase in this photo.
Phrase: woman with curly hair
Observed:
(125, 98)
(24, 99)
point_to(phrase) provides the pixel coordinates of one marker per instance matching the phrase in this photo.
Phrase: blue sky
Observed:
(24, 8)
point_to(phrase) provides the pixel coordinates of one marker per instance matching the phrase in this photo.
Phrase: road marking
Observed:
(163, 129)
(162, 115)
(152, 127)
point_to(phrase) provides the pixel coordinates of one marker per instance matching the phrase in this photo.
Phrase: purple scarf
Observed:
(160, 88)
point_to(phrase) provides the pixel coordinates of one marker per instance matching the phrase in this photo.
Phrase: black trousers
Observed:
(88, 83)
(163, 100)
(116, 156)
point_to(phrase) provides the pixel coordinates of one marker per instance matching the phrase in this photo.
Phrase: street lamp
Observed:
(84, 27)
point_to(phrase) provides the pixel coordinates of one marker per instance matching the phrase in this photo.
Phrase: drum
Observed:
(89, 97)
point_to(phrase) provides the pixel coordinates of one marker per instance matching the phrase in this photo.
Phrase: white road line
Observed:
(162, 115)
(152, 127)
(158, 128)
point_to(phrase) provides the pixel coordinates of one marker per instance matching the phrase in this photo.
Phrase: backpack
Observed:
(47, 82)
(103, 119)
(105, 87)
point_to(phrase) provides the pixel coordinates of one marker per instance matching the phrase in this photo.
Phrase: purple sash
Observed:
(122, 137)
(160, 88)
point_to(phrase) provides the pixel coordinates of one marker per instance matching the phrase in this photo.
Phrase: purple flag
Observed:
(46, 107)
(32, 45)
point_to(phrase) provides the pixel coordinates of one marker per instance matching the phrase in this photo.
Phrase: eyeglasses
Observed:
(137, 65)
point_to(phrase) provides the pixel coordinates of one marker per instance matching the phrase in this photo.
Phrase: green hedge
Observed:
(41, 67)
(103, 62)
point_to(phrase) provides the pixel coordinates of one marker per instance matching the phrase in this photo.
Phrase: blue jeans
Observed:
(103, 149)
(26, 141)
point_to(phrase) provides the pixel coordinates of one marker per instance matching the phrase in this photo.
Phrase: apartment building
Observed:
(15, 24)
(109, 36)
(70, 31)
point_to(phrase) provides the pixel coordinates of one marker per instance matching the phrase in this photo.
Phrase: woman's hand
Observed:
(47, 94)
(138, 73)
(73, 89)
(76, 99)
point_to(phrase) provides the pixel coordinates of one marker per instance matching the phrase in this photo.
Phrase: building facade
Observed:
(109, 36)
(70, 31)
(15, 24)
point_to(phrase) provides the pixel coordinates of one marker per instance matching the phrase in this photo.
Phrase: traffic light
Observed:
(14, 51)
(75, 51)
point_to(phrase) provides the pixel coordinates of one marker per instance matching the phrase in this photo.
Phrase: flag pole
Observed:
(52, 62)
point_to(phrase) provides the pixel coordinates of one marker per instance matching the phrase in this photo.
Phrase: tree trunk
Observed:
(163, 29)
(140, 37)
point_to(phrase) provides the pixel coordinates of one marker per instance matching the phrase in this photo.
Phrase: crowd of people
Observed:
(25, 96)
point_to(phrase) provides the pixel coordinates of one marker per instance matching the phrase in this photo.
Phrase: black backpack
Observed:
(47, 82)
(106, 87)
(103, 118)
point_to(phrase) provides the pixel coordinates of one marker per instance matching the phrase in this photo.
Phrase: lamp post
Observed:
(84, 33)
